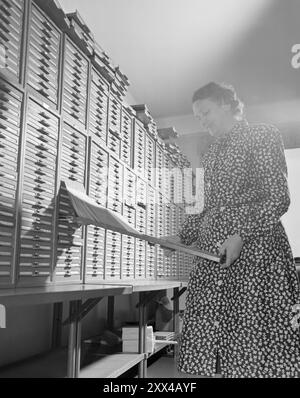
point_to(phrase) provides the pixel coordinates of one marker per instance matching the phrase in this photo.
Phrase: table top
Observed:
(68, 292)
(58, 293)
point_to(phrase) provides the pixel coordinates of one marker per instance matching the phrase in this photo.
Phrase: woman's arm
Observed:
(270, 168)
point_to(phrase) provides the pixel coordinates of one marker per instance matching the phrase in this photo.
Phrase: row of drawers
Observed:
(43, 55)
(11, 31)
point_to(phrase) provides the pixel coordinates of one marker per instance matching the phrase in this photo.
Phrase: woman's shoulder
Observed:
(263, 129)
(262, 133)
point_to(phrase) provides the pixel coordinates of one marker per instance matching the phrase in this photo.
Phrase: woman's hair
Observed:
(222, 94)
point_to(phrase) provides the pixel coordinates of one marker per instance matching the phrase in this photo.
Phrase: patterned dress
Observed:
(243, 314)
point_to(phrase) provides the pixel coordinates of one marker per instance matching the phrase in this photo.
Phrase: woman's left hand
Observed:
(232, 248)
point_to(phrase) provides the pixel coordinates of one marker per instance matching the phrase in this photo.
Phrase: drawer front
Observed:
(10, 119)
(43, 55)
(150, 160)
(98, 109)
(128, 246)
(114, 116)
(126, 132)
(115, 185)
(139, 148)
(151, 211)
(38, 195)
(11, 32)
(75, 83)
(69, 254)
(159, 168)
(130, 187)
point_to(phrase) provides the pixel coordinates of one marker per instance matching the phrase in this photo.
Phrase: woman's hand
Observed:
(231, 248)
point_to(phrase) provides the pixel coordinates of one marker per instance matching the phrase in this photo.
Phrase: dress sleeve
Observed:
(188, 232)
(270, 170)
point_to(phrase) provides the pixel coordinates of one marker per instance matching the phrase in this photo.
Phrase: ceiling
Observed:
(169, 48)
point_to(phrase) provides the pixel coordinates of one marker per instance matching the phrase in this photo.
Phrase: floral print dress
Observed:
(242, 315)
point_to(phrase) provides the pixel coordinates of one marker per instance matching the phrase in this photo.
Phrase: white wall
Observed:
(291, 219)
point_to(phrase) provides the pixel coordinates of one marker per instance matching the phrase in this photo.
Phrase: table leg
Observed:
(74, 341)
(142, 373)
(176, 319)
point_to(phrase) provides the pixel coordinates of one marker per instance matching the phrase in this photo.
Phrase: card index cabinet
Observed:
(160, 231)
(11, 36)
(75, 87)
(43, 58)
(62, 117)
(10, 121)
(114, 125)
(139, 148)
(126, 133)
(115, 203)
(150, 159)
(98, 107)
(96, 236)
(128, 245)
(38, 192)
(151, 230)
(69, 260)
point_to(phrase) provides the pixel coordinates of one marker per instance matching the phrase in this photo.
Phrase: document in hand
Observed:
(88, 212)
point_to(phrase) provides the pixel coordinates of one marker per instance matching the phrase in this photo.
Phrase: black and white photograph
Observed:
(149, 192)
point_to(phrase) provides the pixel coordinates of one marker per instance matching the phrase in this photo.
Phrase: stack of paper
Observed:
(88, 211)
(165, 336)
(130, 339)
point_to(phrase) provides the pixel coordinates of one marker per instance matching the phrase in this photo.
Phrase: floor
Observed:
(165, 367)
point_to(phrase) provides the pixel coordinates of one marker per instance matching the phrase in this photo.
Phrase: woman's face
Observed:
(211, 115)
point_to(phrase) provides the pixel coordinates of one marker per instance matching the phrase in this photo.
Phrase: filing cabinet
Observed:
(10, 119)
(114, 143)
(113, 255)
(139, 148)
(159, 166)
(115, 185)
(81, 32)
(151, 230)
(98, 107)
(130, 188)
(115, 202)
(126, 132)
(140, 253)
(160, 231)
(141, 192)
(150, 160)
(95, 254)
(177, 188)
(167, 176)
(11, 35)
(38, 195)
(173, 231)
(63, 117)
(43, 55)
(75, 83)
(167, 232)
(114, 125)
(141, 222)
(70, 238)
(98, 172)
(96, 236)
(128, 245)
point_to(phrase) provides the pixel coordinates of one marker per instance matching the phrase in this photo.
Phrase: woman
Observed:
(239, 315)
